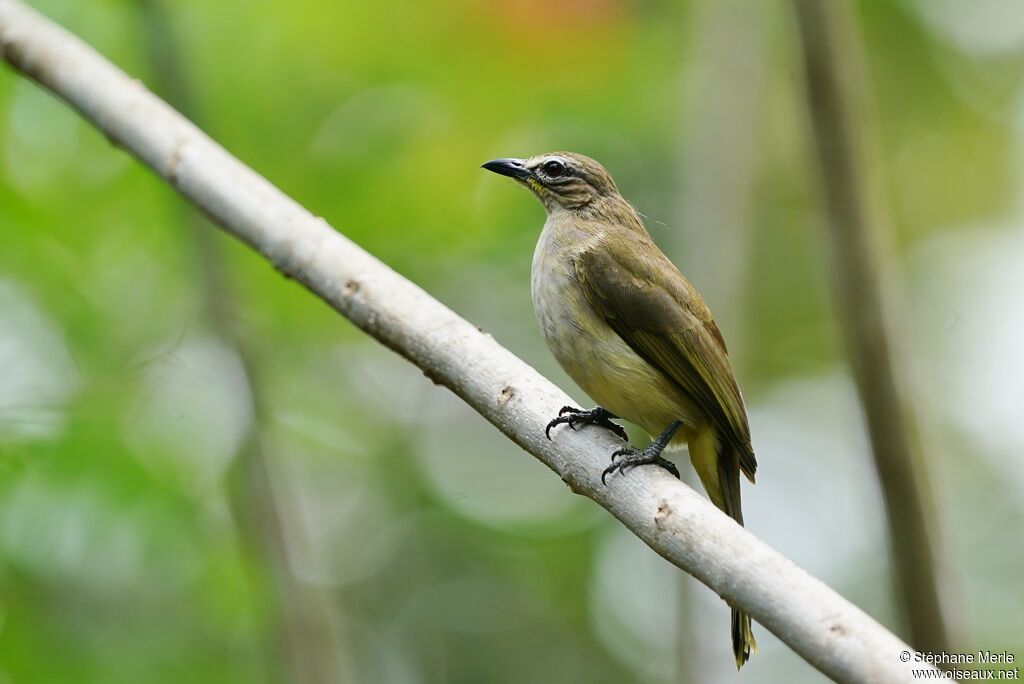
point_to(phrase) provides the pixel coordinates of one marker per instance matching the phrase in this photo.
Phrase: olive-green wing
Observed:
(653, 308)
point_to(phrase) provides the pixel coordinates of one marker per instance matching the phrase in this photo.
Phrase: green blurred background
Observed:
(298, 504)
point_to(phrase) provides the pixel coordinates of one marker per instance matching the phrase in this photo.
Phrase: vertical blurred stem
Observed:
(859, 253)
(724, 75)
(719, 157)
(306, 630)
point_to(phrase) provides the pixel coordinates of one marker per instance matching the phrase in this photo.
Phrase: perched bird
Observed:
(634, 334)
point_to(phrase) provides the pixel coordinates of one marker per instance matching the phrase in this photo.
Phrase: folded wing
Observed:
(659, 314)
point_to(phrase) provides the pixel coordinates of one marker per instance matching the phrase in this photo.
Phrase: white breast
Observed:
(593, 355)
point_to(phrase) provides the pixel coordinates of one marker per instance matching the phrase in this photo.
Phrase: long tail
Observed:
(743, 643)
(719, 471)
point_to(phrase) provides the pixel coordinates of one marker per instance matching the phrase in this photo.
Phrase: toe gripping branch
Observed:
(572, 417)
(627, 458)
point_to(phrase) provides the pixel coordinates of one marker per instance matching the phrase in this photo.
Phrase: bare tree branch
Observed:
(858, 256)
(682, 526)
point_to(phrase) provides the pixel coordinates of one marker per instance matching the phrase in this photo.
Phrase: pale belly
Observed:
(599, 361)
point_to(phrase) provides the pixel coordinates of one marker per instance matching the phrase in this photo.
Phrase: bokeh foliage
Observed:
(442, 552)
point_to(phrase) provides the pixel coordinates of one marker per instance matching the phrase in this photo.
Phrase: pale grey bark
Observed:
(828, 631)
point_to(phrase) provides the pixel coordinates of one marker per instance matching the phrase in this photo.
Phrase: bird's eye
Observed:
(553, 169)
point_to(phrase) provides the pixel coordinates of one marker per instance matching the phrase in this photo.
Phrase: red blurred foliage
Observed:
(531, 22)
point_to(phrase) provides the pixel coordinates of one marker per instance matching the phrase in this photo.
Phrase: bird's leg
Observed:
(630, 457)
(572, 417)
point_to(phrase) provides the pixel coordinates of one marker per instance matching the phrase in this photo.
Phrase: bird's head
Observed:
(563, 180)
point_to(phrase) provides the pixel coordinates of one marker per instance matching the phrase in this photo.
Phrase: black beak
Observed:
(513, 168)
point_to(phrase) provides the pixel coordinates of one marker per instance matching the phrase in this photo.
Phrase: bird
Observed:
(635, 335)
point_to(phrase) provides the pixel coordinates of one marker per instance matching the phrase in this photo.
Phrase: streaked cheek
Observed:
(575, 192)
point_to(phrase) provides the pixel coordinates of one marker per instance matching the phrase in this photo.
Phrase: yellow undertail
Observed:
(719, 472)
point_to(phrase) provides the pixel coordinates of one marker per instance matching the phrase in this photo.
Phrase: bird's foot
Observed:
(631, 458)
(628, 458)
(572, 417)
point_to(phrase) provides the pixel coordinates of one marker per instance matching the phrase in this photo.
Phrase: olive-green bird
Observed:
(634, 334)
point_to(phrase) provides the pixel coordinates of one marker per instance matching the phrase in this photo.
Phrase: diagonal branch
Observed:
(828, 631)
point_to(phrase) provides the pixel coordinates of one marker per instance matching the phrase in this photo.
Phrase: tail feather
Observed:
(718, 466)
(743, 643)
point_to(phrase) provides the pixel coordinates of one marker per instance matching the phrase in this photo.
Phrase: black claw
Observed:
(624, 460)
(669, 466)
(572, 417)
(651, 454)
(618, 430)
